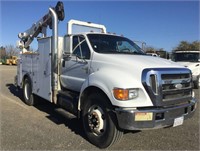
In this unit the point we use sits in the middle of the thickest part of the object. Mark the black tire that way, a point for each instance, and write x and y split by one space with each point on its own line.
100 122
196 83
27 92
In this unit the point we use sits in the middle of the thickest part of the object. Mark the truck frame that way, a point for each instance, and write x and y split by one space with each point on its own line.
104 79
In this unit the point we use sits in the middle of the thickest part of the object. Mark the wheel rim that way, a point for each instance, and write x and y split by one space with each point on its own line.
96 120
27 91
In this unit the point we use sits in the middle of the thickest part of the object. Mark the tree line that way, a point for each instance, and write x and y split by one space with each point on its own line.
182 46
8 51
187 46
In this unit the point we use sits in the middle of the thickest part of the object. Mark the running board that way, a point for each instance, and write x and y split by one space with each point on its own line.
68 101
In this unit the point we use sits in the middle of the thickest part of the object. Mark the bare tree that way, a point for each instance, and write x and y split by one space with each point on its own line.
11 50
2 52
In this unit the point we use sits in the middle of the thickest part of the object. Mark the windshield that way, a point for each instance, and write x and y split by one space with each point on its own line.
113 44
187 57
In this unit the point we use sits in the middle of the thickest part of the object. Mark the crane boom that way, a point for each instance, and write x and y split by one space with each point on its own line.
40 26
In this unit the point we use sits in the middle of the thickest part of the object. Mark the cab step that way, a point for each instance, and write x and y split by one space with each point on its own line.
69 101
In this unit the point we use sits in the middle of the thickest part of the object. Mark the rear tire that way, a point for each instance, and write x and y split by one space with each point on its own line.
99 121
27 92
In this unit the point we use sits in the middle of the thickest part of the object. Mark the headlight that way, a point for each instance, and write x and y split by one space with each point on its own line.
125 94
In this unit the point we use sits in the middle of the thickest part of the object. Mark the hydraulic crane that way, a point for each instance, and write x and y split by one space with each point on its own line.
40 26
50 19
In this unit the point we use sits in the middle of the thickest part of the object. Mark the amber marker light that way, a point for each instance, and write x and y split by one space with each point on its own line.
121 94
125 94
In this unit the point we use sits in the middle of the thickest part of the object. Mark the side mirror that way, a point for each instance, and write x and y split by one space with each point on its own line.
66 56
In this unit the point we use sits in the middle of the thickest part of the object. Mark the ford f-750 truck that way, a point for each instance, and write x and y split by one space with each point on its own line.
105 80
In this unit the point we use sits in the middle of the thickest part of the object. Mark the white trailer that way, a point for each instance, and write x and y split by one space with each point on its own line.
105 80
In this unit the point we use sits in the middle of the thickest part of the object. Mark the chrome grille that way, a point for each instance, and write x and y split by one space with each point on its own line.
168 86
176 86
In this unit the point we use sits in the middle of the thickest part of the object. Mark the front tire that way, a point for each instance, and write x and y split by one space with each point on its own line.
100 122
27 92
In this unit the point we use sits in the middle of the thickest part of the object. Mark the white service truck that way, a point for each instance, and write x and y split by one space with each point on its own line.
104 79
191 60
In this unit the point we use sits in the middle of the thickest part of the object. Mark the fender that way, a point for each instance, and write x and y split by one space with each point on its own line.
118 79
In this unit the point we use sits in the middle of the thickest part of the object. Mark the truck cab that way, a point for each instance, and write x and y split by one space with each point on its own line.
86 49
191 60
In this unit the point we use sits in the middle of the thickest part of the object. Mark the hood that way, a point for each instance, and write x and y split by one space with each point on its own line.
136 61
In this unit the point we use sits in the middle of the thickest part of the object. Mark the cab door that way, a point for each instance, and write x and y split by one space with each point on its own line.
75 69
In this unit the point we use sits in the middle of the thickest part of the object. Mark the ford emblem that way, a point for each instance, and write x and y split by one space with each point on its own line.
178 86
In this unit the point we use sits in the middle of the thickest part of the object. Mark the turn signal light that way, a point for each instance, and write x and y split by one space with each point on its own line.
121 94
125 94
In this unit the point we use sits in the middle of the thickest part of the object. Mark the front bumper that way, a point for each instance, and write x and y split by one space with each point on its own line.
128 119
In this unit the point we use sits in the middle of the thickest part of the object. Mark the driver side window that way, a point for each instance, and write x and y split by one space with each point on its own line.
80 47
